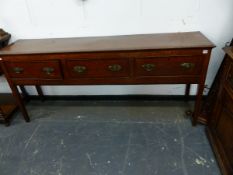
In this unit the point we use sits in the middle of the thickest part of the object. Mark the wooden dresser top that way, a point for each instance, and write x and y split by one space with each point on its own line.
109 43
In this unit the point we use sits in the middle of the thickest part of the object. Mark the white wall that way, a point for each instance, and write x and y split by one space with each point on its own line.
78 18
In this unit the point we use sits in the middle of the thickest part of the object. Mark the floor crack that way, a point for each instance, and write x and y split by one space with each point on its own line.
127 153
183 165
29 140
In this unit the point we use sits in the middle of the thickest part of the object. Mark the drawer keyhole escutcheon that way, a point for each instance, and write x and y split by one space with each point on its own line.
115 67
187 65
148 67
79 69
48 70
18 70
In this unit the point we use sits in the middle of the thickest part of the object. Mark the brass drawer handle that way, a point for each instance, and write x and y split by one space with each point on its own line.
48 70
148 67
79 69
187 65
115 68
18 70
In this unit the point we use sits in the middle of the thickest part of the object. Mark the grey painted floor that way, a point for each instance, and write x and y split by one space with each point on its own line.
105 138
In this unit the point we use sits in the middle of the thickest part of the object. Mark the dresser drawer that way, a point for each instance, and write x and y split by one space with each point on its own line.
168 66
230 76
34 69
95 68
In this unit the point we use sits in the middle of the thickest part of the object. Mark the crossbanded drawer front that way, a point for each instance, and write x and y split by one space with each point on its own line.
34 69
168 66
97 68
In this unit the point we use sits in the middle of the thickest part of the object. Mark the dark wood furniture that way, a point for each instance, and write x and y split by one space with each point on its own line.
211 98
175 58
7 107
4 39
0 70
220 126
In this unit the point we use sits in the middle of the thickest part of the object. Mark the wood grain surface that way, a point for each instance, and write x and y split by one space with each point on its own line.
109 43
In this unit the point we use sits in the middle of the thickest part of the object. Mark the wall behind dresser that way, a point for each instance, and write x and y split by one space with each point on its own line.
77 18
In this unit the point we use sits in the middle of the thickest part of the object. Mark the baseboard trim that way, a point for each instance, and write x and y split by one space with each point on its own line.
114 97
106 97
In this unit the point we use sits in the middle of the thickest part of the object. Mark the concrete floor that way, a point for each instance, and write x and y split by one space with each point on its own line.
105 138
